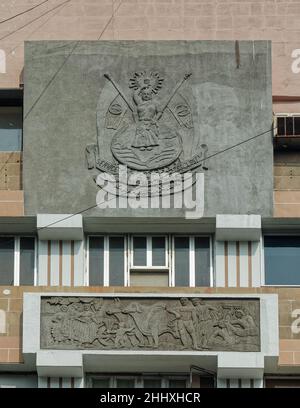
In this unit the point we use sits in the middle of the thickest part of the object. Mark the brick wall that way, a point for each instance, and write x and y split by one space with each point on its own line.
11 194
11 171
287 184
276 20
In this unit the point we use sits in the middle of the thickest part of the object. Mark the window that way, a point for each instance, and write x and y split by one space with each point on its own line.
138 381
100 382
282 382
107 261
282 260
288 125
17 260
7 246
125 382
192 261
27 260
175 383
96 261
113 382
152 382
149 251
10 128
149 261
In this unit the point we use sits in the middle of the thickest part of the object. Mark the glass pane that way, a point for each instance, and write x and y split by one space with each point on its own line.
100 383
158 251
152 383
139 251
125 383
116 261
297 125
7 245
27 261
207 382
202 261
282 260
281 126
182 263
289 126
10 128
177 384
149 279
96 261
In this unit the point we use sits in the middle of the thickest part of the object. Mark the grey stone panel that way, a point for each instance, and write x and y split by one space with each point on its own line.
150 324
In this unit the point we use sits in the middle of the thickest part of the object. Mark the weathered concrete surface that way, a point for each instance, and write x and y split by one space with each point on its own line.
168 324
229 95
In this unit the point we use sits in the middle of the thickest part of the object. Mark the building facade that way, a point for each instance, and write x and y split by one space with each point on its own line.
149 202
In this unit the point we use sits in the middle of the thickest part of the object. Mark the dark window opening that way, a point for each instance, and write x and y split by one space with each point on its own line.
27 253
288 126
7 246
96 261
282 260
11 120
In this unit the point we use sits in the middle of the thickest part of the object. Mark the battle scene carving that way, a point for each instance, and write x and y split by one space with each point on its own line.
145 324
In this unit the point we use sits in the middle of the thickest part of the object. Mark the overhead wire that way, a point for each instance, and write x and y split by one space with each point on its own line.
24 12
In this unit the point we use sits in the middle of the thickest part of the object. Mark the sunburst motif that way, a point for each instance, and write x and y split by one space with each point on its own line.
142 79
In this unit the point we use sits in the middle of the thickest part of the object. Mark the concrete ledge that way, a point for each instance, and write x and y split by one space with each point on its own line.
238 227
60 226
58 363
231 365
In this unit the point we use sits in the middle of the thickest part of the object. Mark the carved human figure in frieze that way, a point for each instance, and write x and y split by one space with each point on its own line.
233 326
121 335
221 333
186 322
172 324
242 325
206 316
125 320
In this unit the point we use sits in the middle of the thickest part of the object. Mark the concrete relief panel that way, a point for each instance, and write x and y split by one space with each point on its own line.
150 324
173 107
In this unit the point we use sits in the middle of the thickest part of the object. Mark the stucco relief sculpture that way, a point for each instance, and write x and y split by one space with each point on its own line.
146 125
147 324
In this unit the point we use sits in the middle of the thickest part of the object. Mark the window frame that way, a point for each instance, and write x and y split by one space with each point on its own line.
106 258
280 377
169 257
192 277
263 271
286 115
16 271
137 377
149 265
112 379
14 97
